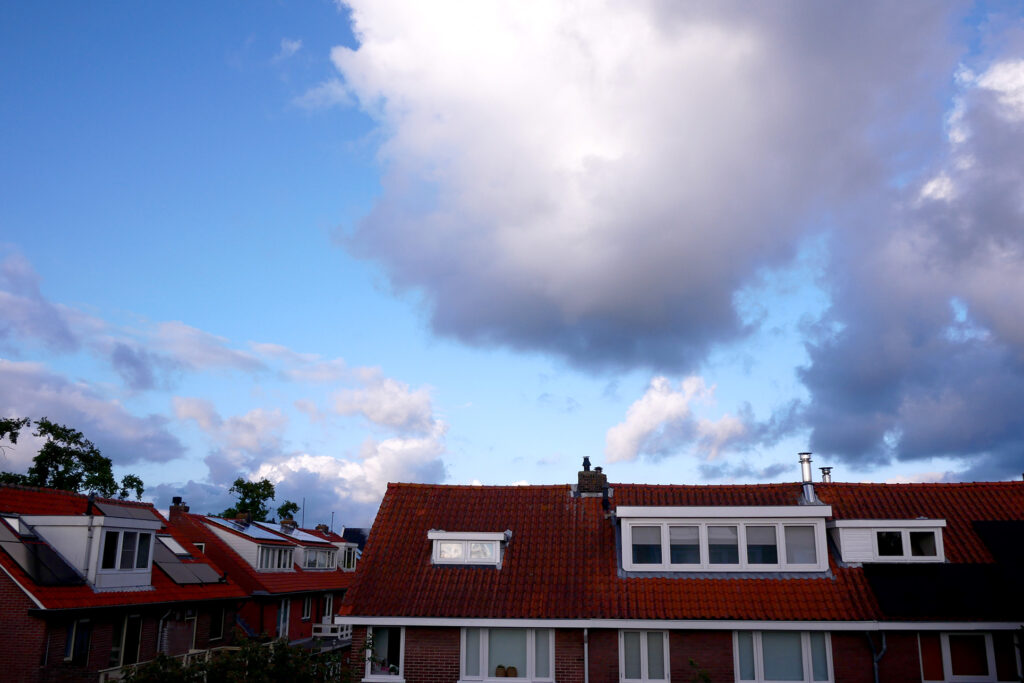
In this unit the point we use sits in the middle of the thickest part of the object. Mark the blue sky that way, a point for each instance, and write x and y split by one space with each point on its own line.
343 244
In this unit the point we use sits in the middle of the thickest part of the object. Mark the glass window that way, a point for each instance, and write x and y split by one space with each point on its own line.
142 557
783 656
922 544
723 545
819 656
449 550
110 539
890 543
764 656
643 656
386 654
800 545
217 624
647 545
307 607
481 551
76 647
968 655
506 648
471 661
745 655
542 653
684 544
508 652
128 540
761 545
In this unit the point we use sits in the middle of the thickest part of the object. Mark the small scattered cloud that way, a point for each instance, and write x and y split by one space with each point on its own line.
330 93
662 421
198 350
388 403
288 49
24 311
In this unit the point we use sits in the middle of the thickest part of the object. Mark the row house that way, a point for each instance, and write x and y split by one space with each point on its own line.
295 578
604 583
90 585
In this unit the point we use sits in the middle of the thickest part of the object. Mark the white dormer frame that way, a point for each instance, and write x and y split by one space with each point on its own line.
858 539
483 548
741 518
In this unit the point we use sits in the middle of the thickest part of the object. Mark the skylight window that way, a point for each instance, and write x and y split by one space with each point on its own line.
467 548
173 546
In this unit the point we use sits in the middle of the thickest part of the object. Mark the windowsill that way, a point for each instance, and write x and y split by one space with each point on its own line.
392 679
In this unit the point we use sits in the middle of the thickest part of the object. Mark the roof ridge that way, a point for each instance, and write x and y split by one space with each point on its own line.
415 485
75 494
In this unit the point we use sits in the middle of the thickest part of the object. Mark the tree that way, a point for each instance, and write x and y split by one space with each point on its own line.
67 461
287 510
252 499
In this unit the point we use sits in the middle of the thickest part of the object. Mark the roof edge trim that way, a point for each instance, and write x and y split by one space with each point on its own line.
722 511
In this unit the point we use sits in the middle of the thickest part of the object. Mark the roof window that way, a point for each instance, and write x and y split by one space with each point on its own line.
468 547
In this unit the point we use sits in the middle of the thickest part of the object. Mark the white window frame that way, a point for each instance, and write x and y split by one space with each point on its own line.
315 554
805 652
644 657
348 559
70 645
200 546
275 558
284 614
395 678
121 636
466 539
307 607
117 556
741 524
218 635
328 604
531 656
947 659
907 555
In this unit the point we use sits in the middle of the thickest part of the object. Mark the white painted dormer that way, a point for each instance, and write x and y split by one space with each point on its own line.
762 538
483 548
110 552
889 540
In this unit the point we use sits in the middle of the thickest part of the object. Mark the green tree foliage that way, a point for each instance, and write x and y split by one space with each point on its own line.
287 510
67 461
252 663
252 499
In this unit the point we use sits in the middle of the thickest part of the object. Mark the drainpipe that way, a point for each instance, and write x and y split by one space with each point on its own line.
876 657
161 635
586 656
88 539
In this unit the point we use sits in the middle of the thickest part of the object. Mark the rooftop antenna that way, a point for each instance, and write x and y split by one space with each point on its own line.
332 521
303 512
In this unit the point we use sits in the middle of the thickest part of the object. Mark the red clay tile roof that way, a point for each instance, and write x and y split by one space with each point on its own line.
561 561
36 501
276 583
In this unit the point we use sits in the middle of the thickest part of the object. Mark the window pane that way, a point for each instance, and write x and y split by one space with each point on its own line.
128 549
922 544
631 652
967 655
745 643
655 655
890 543
684 544
472 662
449 550
387 645
800 546
542 655
132 634
783 658
507 648
819 659
142 557
109 550
723 545
761 545
481 551
646 544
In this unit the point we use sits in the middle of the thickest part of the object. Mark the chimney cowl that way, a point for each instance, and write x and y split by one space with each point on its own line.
586 463
176 500
826 475
591 481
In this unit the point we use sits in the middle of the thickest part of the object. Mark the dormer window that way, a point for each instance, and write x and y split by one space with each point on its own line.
740 539
273 558
460 547
126 550
879 540
348 559
319 559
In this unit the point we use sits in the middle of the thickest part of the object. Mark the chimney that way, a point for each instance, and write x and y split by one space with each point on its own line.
323 528
591 481
244 518
805 475
289 523
178 508
826 475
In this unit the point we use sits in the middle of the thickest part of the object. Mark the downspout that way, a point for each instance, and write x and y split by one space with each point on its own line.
161 634
586 656
876 657
88 539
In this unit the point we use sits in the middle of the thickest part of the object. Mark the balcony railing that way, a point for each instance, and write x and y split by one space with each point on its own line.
116 673
327 628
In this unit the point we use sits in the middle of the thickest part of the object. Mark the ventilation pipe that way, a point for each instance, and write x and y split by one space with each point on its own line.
826 475
805 475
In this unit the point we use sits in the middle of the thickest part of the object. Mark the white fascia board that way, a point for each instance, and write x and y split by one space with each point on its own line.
686 624
439 535
886 523
720 511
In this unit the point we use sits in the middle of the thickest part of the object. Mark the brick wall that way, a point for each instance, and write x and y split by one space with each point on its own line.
711 652
569 655
603 655
19 662
431 655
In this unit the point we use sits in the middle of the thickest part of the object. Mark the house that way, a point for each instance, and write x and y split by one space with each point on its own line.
601 583
295 578
89 585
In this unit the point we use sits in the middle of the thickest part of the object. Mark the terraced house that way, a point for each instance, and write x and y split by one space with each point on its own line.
89 586
598 582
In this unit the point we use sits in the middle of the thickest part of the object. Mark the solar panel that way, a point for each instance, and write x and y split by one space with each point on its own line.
127 511
44 566
297 534
204 572
179 573
250 530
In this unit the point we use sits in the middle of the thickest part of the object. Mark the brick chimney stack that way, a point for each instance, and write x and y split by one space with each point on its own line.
178 508
323 528
591 481
289 523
